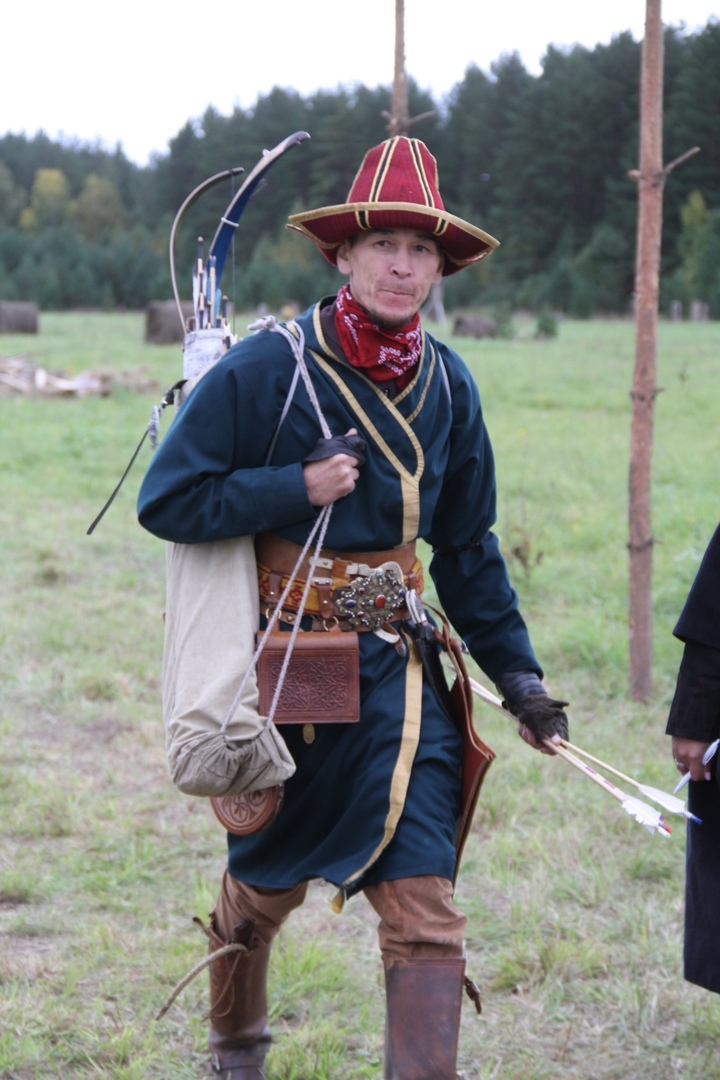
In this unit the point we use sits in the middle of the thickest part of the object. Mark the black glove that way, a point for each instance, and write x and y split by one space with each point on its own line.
544 716
354 445
526 698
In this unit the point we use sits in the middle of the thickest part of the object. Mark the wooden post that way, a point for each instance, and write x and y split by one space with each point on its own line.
399 111
651 179
398 119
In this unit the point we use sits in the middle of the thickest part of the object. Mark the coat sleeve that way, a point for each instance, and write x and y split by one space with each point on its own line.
208 479
468 568
695 709
700 617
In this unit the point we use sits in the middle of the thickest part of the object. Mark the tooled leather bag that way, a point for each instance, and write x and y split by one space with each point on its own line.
322 681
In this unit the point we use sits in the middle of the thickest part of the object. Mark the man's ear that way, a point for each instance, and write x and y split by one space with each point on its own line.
343 263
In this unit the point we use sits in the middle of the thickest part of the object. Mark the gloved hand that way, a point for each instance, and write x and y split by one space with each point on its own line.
331 469
352 444
526 698
544 716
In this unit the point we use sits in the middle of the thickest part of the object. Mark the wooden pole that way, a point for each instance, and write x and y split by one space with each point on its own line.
399 110
651 179
398 119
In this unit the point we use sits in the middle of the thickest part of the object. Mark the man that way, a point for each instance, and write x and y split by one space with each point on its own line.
694 724
373 805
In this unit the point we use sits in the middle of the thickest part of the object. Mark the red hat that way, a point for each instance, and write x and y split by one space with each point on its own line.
396 187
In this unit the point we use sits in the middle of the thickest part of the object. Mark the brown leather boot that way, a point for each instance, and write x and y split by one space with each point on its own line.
239 1035
423 1018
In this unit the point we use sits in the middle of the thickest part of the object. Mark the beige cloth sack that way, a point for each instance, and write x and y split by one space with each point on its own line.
211 618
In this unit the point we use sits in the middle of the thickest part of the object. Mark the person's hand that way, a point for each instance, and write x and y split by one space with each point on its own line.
541 717
330 478
688 755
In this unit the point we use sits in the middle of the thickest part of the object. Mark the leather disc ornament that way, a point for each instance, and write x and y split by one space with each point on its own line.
244 814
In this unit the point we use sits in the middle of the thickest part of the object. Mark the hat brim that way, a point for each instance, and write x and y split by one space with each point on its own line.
330 226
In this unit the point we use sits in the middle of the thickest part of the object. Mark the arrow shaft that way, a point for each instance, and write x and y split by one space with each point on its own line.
601 781
602 764
490 699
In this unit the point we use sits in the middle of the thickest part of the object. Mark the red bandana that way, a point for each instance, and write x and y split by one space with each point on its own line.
382 354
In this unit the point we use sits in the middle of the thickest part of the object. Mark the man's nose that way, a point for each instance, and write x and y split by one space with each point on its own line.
402 265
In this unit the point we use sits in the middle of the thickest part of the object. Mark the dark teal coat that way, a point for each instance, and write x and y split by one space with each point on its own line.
379 799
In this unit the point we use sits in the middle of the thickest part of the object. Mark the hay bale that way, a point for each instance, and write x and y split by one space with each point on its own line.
18 317
477 326
699 312
162 322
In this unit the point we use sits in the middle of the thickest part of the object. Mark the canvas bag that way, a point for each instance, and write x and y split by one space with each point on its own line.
211 618
212 614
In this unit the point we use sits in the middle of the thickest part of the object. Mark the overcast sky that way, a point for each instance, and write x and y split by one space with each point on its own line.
135 72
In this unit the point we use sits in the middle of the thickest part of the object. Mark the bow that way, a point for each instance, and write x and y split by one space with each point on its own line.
208 300
207 333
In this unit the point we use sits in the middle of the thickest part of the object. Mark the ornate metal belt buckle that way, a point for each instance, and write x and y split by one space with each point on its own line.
372 599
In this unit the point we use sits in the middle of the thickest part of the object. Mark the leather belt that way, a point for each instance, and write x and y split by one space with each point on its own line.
355 590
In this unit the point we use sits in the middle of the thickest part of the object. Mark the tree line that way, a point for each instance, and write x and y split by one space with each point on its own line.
540 161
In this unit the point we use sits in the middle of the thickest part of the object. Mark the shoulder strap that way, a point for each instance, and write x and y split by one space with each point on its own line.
293 334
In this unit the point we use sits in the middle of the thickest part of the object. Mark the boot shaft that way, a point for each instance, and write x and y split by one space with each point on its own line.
424 998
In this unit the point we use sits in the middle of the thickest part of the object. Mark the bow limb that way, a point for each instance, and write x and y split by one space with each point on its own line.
229 221
206 184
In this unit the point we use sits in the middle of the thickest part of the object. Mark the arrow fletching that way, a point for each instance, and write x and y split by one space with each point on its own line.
646 815
671 803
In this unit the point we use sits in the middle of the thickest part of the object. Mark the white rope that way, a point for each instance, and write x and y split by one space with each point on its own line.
319 529
320 524
297 344
324 518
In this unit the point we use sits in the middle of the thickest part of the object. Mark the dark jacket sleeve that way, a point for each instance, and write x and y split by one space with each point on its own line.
208 479
468 568
695 710
700 618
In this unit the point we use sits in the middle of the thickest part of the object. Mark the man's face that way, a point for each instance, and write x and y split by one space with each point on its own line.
391 272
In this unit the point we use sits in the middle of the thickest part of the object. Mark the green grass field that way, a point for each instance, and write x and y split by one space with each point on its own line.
575 911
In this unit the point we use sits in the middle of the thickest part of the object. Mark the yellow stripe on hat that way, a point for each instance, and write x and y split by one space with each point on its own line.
382 169
422 177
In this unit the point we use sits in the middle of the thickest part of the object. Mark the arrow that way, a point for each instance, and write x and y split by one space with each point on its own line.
646 815
669 802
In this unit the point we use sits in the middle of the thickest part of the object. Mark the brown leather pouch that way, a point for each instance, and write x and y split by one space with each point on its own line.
322 683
